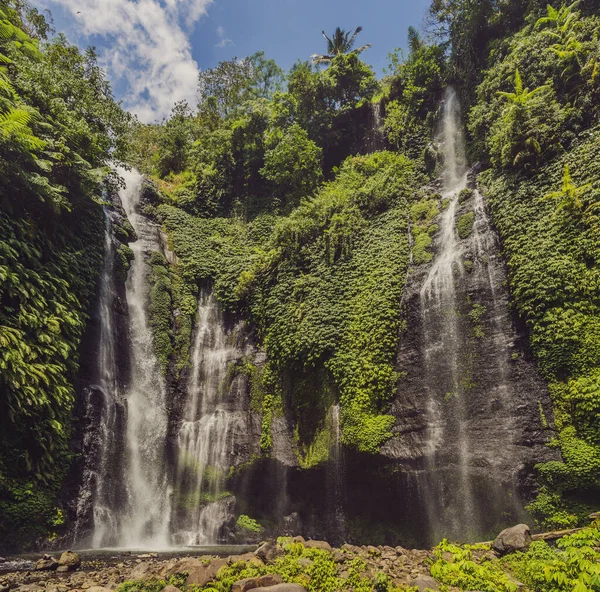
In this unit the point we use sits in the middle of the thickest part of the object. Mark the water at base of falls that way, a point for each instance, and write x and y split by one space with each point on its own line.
206 442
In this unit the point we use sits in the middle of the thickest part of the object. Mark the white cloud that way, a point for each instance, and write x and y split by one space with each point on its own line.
146 45
224 41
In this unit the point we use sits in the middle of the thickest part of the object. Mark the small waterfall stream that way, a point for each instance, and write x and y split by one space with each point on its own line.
206 441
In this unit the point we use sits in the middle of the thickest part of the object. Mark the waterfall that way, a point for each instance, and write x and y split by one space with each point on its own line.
454 446
145 521
125 480
206 441
375 134
100 483
336 479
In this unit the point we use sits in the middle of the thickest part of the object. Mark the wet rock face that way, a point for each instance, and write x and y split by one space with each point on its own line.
471 419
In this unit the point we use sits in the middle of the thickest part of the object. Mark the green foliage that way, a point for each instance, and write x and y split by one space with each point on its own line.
521 128
571 566
415 85
340 269
340 43
465 195
153 585
231 84
160 309
292 164
59 128
465 573
464 226
174 140
123 258
423 214
351 79
572 201
248 523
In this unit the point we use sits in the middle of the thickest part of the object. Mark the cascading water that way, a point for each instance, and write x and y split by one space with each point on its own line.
207 442
145 519
464 425
126 478
100 484
441 323
375 134
336 479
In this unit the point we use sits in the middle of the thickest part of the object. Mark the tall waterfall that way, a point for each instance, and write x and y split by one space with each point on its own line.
206 441
125 482
145 521
455 496
101 482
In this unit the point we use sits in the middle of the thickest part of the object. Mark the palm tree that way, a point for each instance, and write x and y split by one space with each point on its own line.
341 42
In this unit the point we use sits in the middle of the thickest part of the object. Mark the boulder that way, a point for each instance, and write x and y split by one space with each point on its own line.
200 574
46 563
269 551
324 545
282 588
247 558
98 589
425 583
245 585
266 581
182 566
69 560
170 589
515 538
141 571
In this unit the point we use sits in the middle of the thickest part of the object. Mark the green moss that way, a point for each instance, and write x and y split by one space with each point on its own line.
464 225
476 315
422 214
123 258
465 195
160 310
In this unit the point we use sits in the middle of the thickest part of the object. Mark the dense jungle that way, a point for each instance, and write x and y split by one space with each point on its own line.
320 305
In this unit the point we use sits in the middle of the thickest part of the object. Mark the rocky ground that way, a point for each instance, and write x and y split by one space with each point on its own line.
406 569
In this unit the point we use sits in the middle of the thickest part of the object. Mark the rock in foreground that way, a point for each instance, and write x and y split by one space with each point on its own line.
515 538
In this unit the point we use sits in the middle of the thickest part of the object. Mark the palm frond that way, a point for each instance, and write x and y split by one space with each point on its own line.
350 42
361 49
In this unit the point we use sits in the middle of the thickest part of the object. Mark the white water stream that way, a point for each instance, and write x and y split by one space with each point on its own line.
442 334
145 522
206 441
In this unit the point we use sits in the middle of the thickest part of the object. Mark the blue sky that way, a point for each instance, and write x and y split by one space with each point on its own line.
153 49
